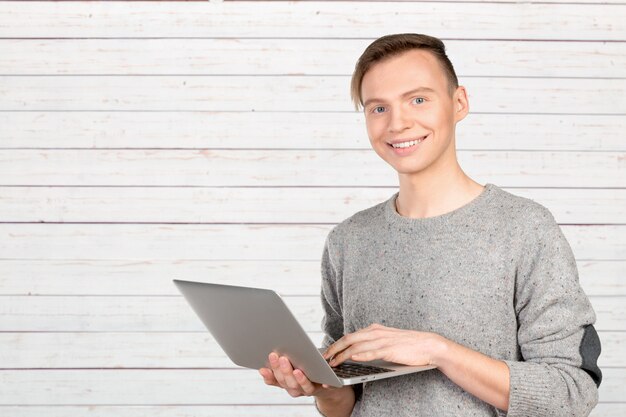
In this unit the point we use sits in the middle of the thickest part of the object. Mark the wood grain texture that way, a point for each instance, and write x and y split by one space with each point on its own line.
173 314
178 242
297 93
153 277
285 205
324 19
173 387
309 168
140 387
294 130
302 410
82 350
257 410
245 56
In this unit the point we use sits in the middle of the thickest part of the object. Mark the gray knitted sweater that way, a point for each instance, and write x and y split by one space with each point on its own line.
495 275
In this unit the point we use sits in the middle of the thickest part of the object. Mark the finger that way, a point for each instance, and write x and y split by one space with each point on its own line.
369 355
280 378
294 392
268 376
346 341
305 384
367 349
332 350
287 371
328 353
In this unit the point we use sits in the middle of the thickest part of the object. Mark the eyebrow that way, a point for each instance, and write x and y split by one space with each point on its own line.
408 93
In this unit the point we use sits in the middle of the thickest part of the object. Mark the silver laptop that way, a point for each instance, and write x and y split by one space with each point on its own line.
249 323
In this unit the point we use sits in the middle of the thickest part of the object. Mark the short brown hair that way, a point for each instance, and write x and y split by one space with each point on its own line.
393 45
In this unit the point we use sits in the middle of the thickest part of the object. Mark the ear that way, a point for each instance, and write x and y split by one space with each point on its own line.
460 103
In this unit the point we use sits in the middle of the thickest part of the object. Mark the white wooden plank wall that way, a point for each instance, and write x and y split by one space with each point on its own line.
216 141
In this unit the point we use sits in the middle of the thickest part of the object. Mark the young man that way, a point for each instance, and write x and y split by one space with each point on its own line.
472 279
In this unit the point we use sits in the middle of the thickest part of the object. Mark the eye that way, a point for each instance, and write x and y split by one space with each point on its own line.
419 98
376 108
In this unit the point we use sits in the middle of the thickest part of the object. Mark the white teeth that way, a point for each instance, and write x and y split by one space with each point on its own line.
408 144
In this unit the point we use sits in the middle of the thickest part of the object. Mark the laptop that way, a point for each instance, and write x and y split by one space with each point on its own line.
249 323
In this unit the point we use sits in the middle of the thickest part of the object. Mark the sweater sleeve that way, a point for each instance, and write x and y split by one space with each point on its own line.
332 322
331 296
558 373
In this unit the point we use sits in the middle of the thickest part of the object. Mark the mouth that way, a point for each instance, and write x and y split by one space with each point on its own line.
407 143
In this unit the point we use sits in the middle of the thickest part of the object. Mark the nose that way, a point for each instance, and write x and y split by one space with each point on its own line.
399 120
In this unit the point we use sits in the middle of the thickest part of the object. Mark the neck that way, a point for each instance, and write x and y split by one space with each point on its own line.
428 194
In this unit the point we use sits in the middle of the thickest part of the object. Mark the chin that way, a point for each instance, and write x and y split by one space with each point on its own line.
410 171
407 166
404 170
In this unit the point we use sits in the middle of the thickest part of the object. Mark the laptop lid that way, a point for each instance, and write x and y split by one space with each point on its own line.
249 323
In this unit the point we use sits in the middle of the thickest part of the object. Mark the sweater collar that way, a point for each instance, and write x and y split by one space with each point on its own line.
445 222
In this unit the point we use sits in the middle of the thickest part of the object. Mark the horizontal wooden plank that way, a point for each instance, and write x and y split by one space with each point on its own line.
121 350
603 277
263 410
174 387
140 387
216 56
122 314
297 93
256 410
295 168
164 350
165 242
262 205
154 277
225 242
173 314
284 130
324 19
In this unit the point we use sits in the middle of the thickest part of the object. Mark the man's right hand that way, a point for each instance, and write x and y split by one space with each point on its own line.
294 381
331 401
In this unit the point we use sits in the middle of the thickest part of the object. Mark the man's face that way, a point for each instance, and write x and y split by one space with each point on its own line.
394 114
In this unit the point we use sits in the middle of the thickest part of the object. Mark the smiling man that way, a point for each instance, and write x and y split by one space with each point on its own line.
469 278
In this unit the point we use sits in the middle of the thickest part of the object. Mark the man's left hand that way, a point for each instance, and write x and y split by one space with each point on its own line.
408 347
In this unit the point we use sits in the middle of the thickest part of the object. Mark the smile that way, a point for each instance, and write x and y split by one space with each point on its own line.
408 143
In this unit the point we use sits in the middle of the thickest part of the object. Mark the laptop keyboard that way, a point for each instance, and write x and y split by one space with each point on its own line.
351 370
